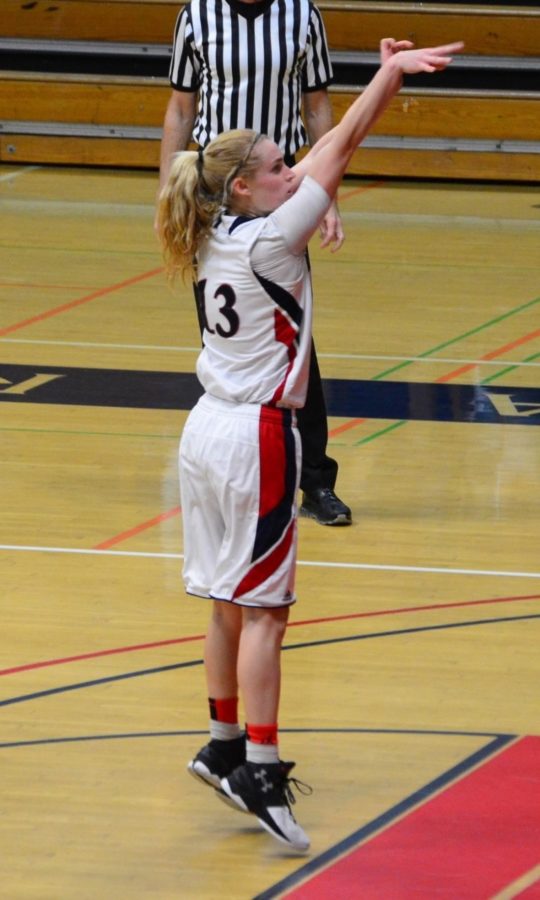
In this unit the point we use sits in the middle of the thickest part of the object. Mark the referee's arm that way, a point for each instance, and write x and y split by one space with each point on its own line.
318 121
177 129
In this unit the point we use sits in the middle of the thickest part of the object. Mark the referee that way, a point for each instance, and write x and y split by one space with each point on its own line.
252 64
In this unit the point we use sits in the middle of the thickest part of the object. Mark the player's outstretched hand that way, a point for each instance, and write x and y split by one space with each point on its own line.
389 46
430 59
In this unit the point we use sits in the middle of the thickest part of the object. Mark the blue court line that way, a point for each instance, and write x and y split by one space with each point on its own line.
133 735
385 819
362 637
95 681
199 662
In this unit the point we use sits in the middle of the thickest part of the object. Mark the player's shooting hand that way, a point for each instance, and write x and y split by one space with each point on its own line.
332 229
389 46
429 59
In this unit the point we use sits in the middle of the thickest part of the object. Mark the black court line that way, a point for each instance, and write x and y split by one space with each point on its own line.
447 625
382 821
345 398
84 738
199 662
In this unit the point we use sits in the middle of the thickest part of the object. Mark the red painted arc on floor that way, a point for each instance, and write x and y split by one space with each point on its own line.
472 841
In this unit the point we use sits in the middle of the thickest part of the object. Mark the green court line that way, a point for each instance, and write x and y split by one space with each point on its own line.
166 437
364 440
376 434
488 380
505 371
460 337
91 251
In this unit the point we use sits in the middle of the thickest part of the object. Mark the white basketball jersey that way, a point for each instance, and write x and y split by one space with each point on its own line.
256 303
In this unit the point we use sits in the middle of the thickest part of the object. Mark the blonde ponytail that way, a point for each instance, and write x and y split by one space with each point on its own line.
197 189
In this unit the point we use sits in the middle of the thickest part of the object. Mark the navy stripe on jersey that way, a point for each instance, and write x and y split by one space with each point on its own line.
250 64
282 298
239 221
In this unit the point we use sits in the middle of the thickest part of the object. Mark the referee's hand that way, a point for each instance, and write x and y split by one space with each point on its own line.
331 229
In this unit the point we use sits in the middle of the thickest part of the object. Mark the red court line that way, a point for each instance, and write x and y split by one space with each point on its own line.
73 303
199 637
345 427
98 653
492 355
367 187
470 841
124 535
411 609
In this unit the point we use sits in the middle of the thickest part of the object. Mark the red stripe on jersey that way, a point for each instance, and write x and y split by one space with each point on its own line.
263 569
272 461
286 334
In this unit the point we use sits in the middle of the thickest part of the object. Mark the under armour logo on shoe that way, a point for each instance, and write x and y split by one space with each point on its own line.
265 785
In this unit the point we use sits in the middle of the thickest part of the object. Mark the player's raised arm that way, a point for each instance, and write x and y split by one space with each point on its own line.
328 159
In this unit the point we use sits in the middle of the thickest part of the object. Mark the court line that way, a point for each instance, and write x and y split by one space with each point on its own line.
509 368
398 811
346 195
25 667
529 879
137 529
493 354
108 679
461 337
399 631
161 348
353 423
486 224
65 307
96 654
10 176
449 377
41 287
130 735
340 429
382 567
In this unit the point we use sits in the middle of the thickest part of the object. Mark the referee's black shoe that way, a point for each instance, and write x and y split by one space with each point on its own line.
325 507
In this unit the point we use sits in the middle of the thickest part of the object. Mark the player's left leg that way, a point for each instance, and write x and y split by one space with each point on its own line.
262 785
227 748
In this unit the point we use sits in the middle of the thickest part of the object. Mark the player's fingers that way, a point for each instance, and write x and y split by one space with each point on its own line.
338 242
447 49
325 240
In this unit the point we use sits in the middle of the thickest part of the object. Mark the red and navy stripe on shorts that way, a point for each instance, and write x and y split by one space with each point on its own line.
276 525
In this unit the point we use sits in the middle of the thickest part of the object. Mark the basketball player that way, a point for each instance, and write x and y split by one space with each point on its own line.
236 217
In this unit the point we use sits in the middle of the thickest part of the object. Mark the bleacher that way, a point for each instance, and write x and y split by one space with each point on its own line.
84 82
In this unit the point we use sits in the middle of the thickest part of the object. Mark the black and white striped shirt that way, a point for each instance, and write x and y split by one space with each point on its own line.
250 63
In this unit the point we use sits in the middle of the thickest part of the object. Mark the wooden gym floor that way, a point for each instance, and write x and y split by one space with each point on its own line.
411 665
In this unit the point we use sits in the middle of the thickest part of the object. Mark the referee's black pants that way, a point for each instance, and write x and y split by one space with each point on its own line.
318 469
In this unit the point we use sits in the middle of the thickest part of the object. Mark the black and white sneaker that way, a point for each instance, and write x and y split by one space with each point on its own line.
217 759
325 507
264 790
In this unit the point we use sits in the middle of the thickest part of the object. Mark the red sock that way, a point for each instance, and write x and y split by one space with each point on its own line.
224 710
262 734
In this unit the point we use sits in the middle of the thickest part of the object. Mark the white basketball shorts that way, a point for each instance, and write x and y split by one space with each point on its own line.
239 472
